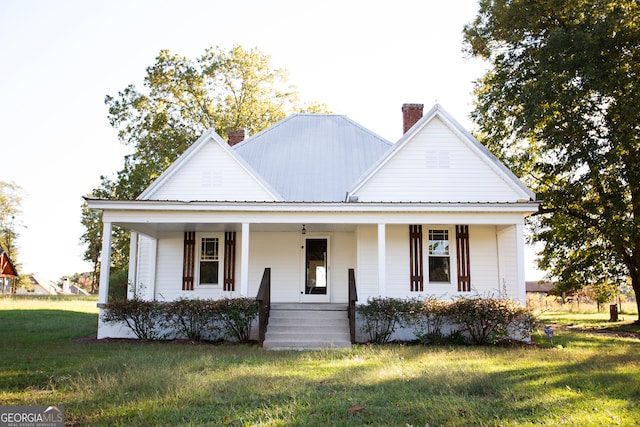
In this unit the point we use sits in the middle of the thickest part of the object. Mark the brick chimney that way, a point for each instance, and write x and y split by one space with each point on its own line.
411 113
236 136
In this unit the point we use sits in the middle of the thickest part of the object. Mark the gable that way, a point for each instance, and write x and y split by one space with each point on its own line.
209 171
437 162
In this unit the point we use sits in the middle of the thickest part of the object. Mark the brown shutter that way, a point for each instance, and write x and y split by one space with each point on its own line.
230 261
415 258
188 260
462 246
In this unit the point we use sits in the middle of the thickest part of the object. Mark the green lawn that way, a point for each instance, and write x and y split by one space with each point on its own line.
584 379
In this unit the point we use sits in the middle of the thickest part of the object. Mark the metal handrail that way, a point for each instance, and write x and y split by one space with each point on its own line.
353 297
264 303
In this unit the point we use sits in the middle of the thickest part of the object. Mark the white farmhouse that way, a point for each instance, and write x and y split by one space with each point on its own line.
314 197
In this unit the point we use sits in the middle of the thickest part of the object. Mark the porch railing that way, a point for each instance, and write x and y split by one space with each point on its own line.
264 303
353 297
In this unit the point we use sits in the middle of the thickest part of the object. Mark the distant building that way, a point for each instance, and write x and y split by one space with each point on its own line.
8 274
39 286
538 288
76 290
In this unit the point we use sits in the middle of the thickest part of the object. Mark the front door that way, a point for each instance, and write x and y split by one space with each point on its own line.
316 263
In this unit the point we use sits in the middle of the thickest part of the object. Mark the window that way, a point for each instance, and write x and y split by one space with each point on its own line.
209 261
439 270
203 258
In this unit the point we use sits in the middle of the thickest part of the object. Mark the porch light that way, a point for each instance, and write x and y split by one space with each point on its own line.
304 230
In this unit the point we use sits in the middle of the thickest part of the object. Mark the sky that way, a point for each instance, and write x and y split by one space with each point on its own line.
59 59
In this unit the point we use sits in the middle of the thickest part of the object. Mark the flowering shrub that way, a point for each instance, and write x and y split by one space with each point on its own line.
144 318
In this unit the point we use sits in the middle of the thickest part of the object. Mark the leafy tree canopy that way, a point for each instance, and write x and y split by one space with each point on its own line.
561 105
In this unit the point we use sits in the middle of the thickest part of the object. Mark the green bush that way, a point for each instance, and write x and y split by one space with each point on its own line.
382 316
479 320
191 318
487 320
145 318
428 318
236 315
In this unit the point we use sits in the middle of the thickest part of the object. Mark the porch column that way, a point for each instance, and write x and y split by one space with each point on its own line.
244 261
133 264
105 263
521 288
382 259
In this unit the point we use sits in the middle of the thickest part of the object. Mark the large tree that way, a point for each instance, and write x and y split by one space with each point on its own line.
10 210
224 89
561 105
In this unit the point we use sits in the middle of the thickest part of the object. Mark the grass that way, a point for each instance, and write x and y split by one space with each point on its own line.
584 379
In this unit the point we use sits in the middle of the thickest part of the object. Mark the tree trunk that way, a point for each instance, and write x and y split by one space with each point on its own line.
635 283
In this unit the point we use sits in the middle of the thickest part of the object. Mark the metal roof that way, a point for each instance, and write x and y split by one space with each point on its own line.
313 157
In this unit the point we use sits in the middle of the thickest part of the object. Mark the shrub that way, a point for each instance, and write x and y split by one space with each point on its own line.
191 318
382 316
236 315
428 318
487 321
144 318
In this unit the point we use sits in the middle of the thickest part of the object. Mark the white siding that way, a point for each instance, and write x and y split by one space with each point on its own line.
437 166
483 260
398 283
508 262
146 266
211 174
342 259
367 259
282 253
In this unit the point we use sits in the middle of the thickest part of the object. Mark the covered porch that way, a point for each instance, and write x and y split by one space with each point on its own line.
311 246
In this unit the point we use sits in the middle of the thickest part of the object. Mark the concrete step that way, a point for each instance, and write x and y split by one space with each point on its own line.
305 345
309 306
307 326
307 316
286 326
319 337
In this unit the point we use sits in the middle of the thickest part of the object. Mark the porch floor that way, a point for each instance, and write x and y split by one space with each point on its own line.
299 326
